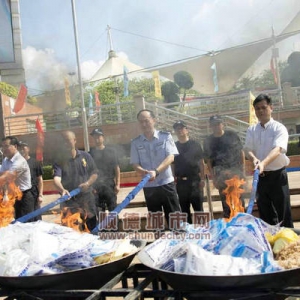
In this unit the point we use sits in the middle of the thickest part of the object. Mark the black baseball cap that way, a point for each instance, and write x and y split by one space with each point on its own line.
179 123
216 119
97 131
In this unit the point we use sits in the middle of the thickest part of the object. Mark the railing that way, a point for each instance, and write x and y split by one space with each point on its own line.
194 112
70 118
198 127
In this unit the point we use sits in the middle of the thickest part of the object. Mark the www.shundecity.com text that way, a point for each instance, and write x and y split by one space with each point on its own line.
154 235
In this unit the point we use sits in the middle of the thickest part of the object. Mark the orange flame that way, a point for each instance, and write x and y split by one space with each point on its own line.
75 220
233 193
9 193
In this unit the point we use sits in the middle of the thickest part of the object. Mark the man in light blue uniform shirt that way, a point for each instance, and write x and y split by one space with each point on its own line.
152 153
15 162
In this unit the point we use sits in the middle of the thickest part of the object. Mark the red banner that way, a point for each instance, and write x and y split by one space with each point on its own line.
40 140
98 103
20 99
273 70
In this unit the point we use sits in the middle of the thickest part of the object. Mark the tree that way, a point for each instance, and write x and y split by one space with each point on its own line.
107 90
11 91
170 91
8 90
263 81
291 73
184 80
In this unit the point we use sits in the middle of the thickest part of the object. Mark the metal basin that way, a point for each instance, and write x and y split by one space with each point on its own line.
88 278
179 281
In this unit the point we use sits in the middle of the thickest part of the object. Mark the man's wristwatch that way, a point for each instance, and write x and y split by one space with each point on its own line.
156 173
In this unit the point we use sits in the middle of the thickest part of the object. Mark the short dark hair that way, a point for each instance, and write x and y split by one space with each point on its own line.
148 110
12 140
262 97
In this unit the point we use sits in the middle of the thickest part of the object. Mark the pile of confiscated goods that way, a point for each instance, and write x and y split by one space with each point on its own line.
243 246
40 248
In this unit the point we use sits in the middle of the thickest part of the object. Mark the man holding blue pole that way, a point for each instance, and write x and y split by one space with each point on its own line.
76 169
15 162
266 146
152 153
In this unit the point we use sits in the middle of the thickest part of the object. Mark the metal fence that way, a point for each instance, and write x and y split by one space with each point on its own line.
70 118
194 112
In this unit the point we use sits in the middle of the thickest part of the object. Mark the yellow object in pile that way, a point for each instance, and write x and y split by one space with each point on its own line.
281 239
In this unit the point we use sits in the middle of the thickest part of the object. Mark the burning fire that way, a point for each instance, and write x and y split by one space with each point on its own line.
74 219
233 193
9 193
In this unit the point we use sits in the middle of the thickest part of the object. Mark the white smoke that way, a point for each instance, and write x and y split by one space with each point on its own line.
44 72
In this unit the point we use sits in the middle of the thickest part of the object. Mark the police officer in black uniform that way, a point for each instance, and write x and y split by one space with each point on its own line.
188 170
107 184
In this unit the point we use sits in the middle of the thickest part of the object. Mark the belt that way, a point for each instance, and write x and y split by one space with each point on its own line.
186 178
266 173
29 190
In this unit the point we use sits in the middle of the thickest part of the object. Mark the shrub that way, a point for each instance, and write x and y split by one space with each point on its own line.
293 148
48 172
125 165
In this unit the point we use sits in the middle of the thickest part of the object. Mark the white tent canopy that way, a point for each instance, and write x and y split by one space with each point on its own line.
230 63
113 67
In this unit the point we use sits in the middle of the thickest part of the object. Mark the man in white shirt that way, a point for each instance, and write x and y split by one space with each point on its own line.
15 162
266 146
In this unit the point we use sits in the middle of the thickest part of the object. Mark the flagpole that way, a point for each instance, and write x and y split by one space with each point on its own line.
83 110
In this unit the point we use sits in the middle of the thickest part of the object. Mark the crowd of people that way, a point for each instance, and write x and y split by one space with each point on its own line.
177 169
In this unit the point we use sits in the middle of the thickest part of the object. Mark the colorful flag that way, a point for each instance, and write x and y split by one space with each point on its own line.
97 100
252 116
215 77
126 81
273 69
20 99
40 140
67 92
91 110
157 86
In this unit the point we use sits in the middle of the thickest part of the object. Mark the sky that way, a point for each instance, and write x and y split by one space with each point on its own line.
147 32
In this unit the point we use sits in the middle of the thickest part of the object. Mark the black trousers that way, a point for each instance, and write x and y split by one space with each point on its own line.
189 193
25 205
273 198
105 195
162 197
35 193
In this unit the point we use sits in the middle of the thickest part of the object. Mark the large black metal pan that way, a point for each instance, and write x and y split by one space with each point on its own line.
179 281
89 278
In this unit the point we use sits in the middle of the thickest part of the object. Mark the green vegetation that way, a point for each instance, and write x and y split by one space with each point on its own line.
293 148
185 81
48 172
264 81
170 91
11 91
109 88
8 90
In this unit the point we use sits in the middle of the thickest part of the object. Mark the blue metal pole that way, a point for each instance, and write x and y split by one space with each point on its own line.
253 191
123 204
47 207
